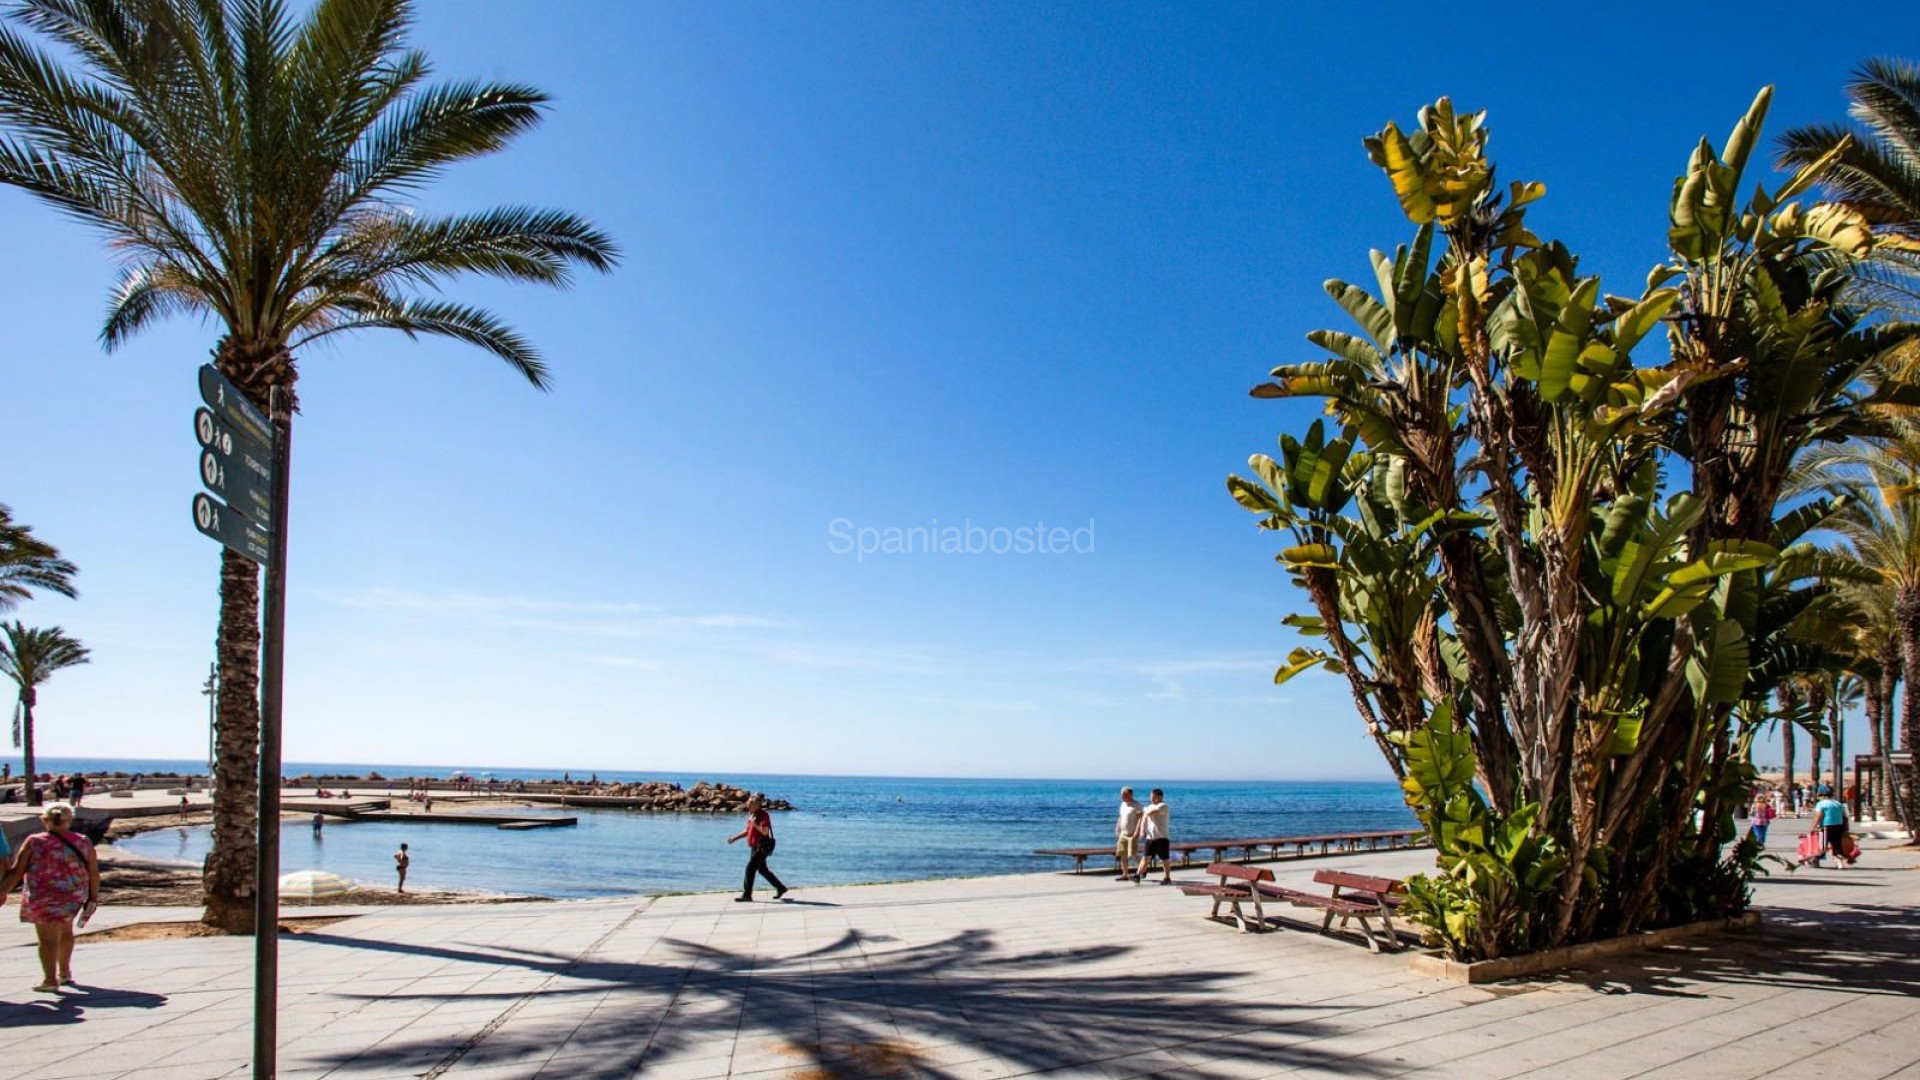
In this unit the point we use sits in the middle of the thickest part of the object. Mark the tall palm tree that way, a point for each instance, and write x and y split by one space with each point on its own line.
260 168
1878 175
28 563
29 657
1882 531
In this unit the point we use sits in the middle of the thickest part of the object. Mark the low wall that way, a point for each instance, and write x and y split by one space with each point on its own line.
1514 967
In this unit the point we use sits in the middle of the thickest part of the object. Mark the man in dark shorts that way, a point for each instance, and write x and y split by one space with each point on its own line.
1156 839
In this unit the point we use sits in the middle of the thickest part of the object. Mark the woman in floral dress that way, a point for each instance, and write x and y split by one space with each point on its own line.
62 878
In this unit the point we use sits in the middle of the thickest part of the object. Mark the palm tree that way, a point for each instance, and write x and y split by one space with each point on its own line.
1878 175
1881 529
29 563
260 169
29 657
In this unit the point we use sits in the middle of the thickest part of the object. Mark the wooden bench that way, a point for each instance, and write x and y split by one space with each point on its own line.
1237 885
1359 897
1249 849
1080 855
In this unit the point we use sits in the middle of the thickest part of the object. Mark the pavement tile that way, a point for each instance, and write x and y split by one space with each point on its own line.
978 980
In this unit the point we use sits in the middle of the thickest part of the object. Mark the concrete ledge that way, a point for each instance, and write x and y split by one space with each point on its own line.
1513 967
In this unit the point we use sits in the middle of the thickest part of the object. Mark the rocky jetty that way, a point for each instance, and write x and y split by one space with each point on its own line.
702 797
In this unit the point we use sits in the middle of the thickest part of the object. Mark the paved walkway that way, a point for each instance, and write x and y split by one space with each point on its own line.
994 977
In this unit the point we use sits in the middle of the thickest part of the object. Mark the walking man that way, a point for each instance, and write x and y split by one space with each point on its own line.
1125 829
759 837
1157 839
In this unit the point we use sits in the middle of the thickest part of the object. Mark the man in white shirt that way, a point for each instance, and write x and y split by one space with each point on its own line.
1124 832
1158 839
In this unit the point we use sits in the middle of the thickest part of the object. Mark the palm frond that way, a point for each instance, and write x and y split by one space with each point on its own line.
442 319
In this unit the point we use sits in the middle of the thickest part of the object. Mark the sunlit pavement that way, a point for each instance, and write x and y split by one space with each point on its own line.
994 977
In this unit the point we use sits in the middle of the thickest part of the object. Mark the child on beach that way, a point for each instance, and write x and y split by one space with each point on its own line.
400 862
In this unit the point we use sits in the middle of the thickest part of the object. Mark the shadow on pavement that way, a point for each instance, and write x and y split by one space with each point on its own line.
857 1007
1858 948
71 1007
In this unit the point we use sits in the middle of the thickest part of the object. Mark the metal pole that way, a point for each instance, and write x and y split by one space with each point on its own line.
212 690
266 887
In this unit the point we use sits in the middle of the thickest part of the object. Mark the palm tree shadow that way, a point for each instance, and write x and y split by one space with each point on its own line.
1858 948
857 1007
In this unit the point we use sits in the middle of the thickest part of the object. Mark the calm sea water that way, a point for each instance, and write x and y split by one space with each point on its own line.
845 830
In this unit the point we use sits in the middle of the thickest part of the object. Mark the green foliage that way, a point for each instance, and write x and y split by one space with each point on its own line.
1556 578
28 563
1493 872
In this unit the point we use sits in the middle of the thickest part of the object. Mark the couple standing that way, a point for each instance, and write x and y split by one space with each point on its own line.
1142 832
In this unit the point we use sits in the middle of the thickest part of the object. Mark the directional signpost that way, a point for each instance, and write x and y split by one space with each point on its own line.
243 460
236 463
236 468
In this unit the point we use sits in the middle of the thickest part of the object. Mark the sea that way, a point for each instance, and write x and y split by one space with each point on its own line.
843 829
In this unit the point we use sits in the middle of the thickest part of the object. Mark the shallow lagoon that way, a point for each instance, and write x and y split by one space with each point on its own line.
846 830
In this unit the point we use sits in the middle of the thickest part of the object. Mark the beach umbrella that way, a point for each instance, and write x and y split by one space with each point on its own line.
311 885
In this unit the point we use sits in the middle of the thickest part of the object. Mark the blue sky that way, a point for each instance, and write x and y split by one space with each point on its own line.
888 265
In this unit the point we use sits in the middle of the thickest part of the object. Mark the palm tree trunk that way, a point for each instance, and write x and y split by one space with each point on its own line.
1906 614
1889 684
1786 757
26 743
255 367
229 870
1839 725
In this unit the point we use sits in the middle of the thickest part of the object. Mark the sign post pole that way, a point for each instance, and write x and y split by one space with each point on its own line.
266 888
243 459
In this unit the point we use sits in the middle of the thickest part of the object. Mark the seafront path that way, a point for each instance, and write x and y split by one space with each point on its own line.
1038 974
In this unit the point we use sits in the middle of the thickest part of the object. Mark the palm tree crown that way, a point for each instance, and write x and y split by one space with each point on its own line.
30 655
29 563
259 170
1878 174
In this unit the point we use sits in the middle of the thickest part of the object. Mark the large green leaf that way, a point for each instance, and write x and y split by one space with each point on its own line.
1717 670
1694 581
1562 357
1372 316
1300 660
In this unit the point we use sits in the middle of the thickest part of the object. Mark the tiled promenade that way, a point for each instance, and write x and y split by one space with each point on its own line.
999 977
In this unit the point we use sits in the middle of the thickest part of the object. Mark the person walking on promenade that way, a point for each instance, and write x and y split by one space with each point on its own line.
1762 817
62 879
401 860
1157 841
1830 817
77 788
1125 829
759 837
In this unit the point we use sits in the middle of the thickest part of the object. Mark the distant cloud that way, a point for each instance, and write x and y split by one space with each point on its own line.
1170 678
599 618
630 663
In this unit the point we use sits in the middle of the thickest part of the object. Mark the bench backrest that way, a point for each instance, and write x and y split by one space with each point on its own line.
1362 882
1239 872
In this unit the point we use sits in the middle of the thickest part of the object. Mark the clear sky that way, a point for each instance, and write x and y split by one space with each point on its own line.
887 266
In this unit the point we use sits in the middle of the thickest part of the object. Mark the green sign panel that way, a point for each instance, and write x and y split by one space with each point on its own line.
232 528
235 468
232 408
